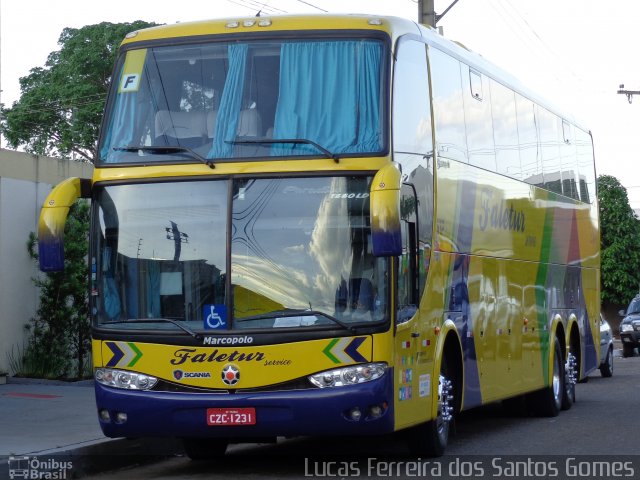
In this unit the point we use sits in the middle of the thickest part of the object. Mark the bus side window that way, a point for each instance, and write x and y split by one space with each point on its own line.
448 106
408 263
413 147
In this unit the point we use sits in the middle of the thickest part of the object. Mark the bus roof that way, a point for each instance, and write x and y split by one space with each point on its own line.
394 26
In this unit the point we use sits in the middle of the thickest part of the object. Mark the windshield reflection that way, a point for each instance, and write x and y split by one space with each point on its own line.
300 255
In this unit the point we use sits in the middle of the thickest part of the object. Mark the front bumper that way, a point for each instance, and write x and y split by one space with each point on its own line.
307 412
630 338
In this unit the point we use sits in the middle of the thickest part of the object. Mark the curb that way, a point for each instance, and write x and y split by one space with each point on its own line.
115 454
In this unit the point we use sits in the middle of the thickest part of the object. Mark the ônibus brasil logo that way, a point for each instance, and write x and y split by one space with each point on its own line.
33 467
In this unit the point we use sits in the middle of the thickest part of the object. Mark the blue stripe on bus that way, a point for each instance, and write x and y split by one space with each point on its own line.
472 392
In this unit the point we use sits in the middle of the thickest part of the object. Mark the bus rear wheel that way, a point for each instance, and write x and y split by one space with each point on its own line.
204 448
570 380
430 439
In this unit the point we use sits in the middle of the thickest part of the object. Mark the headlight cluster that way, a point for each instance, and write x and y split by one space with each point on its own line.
626 327
124 379
348 375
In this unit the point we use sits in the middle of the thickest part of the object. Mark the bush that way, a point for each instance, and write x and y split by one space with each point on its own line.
59 341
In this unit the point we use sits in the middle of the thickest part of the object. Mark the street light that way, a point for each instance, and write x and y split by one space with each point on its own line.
628 93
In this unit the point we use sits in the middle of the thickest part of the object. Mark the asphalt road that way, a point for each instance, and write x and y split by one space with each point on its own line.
596 438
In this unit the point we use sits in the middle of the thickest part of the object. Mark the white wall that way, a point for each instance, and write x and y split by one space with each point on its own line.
25 181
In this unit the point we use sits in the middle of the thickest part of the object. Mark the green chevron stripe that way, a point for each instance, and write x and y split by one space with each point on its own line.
327 350
138 354
541 294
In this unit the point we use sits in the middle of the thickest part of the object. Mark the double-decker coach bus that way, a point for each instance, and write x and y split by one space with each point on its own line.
329 225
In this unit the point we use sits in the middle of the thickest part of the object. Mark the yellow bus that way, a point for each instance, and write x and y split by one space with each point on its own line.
329 225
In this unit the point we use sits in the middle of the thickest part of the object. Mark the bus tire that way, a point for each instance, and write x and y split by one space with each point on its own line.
430 439
570 379
204 448
548 401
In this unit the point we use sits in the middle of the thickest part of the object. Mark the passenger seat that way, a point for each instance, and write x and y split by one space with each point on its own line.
250 123
187 128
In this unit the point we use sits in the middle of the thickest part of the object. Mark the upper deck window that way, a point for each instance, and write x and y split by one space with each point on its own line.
305 97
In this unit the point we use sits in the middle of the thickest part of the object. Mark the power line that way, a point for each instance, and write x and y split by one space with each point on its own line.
313 6
256 6
56 107
534 40
265 6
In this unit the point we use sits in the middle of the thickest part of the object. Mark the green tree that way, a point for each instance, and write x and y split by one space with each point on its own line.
620 243
60 106
60 340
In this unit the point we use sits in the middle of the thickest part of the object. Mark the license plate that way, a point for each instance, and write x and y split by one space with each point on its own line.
231 416
626 339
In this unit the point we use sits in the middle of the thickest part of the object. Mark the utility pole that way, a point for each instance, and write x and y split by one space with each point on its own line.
178 237
427 12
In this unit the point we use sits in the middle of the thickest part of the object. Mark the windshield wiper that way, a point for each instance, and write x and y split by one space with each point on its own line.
303 141
289 312
156 320
167 149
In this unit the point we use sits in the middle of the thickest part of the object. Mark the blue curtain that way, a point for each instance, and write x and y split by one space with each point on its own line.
369 98
111 298
230 103
330 94
153 289
121 126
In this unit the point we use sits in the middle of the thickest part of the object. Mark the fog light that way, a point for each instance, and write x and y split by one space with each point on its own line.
104 415
355 414
121 417
375 411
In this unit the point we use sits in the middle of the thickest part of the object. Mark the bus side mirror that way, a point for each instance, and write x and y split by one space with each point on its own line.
53 217
386 238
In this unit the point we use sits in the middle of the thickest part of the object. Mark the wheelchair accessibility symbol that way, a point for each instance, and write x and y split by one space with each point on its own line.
215 316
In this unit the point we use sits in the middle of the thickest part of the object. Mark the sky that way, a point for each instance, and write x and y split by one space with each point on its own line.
574 52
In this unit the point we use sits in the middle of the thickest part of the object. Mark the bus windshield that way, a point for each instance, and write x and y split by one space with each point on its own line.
236 254
213 101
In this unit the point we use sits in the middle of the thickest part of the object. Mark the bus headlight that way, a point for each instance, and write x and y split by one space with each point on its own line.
123 379
348 375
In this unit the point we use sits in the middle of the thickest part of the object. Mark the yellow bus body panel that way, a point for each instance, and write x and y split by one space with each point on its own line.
261 365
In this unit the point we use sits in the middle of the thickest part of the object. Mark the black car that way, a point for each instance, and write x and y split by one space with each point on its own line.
630 327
